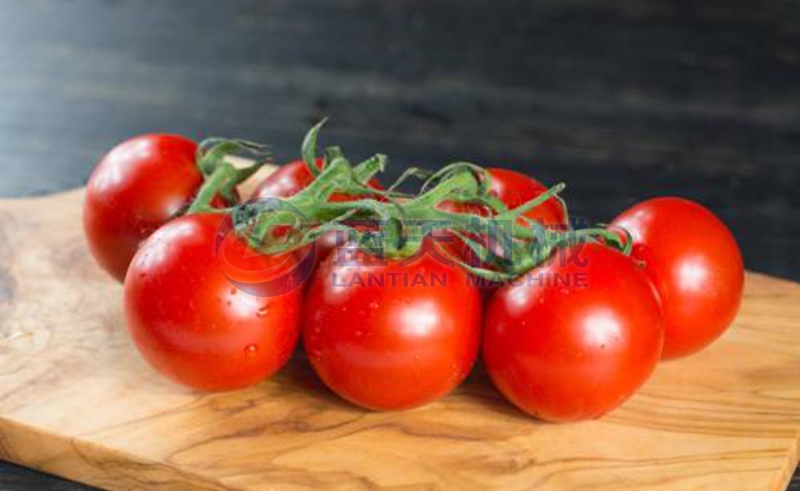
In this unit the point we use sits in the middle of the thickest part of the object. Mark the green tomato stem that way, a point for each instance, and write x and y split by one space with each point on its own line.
406 224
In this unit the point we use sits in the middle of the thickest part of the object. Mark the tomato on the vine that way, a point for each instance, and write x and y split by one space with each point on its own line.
189 320
287 180
135 188
290 179
574 338
394 334
694 263
513 189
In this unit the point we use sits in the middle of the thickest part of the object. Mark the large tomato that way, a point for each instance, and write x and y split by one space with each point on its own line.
573 339
190 321
695 264
135 188
391 335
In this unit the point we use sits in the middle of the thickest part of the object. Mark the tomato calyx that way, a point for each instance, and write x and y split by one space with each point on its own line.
222 177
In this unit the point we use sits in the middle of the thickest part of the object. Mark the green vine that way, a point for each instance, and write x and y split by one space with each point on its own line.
406 219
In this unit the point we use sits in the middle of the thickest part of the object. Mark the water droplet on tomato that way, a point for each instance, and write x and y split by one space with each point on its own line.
233 291
373 305
262 312
251 349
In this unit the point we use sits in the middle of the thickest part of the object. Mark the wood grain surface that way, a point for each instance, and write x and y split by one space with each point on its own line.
77 401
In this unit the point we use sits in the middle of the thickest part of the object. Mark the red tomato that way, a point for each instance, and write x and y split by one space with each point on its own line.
135 188
695 264
191 323
292 178
287 180
576 337
393 346
513 189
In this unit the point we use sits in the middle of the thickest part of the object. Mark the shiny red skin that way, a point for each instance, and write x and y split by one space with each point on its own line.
515 189
393 346
574 352
695 264
135 188
191 323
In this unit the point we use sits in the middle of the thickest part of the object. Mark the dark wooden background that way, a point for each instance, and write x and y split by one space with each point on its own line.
622 100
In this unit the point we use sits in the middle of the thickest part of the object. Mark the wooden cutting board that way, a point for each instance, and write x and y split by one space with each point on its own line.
76 400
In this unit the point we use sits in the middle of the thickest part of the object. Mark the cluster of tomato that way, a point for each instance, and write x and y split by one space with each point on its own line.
569 340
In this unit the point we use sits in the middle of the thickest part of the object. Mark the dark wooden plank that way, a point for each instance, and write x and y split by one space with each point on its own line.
620 99
15 478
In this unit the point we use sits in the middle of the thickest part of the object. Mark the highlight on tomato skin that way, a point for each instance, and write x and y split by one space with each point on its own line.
695 265
577 337
188 320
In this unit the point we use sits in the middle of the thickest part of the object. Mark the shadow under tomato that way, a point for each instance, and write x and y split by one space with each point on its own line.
476 392
298 375
478 389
